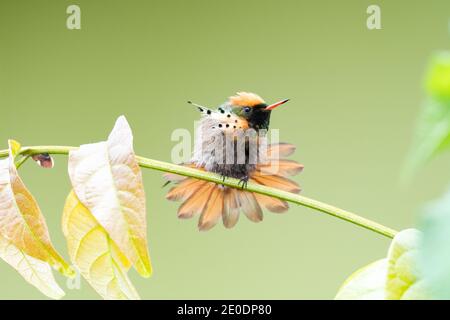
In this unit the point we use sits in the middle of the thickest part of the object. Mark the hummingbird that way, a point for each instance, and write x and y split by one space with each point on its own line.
225 143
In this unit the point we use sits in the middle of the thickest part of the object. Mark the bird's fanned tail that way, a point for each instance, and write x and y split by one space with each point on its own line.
212 201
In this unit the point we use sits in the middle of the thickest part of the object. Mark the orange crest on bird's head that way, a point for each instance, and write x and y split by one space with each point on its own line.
246 99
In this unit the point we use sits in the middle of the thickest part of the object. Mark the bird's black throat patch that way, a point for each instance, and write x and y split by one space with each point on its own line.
259 118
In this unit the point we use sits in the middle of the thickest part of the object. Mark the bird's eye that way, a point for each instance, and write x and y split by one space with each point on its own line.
247 109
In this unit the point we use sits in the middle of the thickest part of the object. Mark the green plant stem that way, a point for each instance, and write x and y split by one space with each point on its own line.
230 182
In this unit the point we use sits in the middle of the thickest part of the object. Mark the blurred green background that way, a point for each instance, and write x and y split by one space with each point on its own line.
356 95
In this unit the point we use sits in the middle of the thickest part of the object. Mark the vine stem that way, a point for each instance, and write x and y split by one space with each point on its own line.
230 182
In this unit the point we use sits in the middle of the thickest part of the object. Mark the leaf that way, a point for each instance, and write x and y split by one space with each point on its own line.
438 79
36 272
433 131
366 283
396 277
405 281
107 180
21 221
435 254
91 249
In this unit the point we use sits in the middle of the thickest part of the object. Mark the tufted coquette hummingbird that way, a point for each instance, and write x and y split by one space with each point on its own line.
225 143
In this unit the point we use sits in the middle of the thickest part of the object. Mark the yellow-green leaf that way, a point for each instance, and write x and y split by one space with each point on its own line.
432 135
94 253
36 272
404 279
107 180
366 283
21 221
438 79
396 277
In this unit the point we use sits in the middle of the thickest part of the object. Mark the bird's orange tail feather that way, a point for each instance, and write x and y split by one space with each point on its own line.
212 201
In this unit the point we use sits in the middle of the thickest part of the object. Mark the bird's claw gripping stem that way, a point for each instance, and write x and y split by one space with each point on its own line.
244 182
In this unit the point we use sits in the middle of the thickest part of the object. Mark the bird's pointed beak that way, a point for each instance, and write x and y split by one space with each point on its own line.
276 104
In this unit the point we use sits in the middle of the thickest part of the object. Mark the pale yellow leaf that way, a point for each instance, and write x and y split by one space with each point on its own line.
35 271
94 253
21 221
404 278
397 277
367 283
107 179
